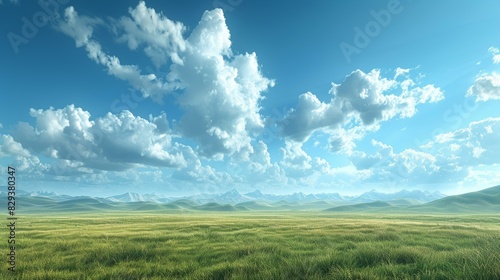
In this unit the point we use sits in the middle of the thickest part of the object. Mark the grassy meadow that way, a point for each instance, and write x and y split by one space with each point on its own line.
257 245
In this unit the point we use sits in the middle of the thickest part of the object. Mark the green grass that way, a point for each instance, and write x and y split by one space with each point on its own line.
249 245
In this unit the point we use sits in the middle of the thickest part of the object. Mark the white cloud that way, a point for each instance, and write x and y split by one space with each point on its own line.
409 167
480 177
9 147
486 87
297 164
295 161
196 172
496 54
112 142
162 38
23 159
221 94
310 114
362 99
260 168
80 28
343 140
401 72
477 144
451 157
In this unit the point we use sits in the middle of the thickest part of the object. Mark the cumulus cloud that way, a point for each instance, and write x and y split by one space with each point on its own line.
486 87
260 167
113 142
218 92
343 141
450 157
9 147
407 167
295 161
221 93
196 172
161 37
477 144
297 164
23 159
361 99
81 28
310 115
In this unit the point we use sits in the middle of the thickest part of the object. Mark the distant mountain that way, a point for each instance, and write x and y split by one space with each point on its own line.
295 197
219 207
487 200
127 197
18 191
331 196
232 197
421 196
256 195
253 205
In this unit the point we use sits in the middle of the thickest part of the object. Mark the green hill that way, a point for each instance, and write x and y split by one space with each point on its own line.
152 206
218 207
484 201
34 204
83 204
253 205
183 204
362 207
404 202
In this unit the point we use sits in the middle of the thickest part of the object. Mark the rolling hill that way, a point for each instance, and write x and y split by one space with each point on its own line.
484 201
363 207
253 205
212 206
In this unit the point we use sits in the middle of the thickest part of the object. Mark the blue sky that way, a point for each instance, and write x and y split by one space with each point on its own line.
181 97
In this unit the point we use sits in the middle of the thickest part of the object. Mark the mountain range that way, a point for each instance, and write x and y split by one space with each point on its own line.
234 197
487 200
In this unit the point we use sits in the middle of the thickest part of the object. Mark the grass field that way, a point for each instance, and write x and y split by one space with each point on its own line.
256 246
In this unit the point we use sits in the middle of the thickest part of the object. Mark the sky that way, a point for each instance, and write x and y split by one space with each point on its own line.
183 97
